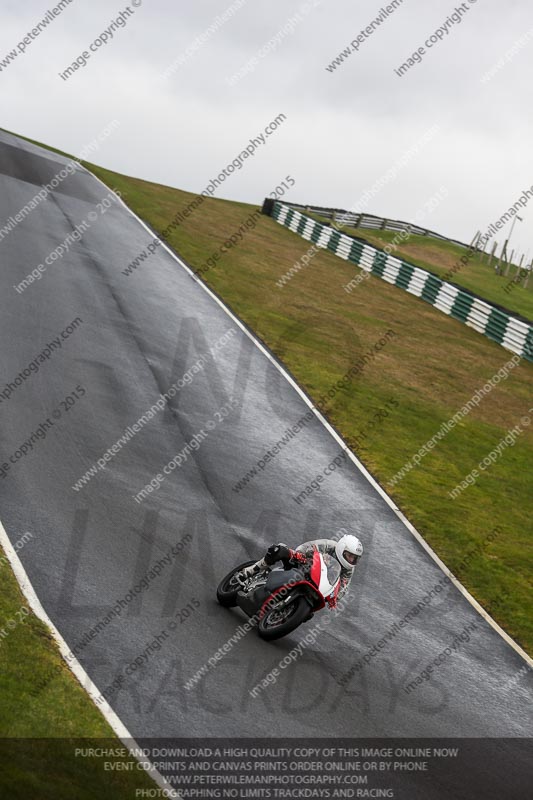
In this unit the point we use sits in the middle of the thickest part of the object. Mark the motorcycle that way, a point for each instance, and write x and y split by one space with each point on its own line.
280 600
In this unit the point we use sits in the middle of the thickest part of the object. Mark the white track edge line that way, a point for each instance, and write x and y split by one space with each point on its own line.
410 527
74 665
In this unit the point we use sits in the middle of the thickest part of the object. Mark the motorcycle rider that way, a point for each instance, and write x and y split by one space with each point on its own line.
348 550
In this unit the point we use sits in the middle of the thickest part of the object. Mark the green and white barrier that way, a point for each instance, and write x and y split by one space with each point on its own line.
512 333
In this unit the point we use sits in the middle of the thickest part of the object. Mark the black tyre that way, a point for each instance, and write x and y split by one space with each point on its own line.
277 623
228 586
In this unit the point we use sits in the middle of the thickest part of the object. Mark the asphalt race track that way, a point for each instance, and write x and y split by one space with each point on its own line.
134 337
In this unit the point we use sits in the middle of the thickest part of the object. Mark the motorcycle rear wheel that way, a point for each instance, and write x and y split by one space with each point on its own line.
227 588
273 626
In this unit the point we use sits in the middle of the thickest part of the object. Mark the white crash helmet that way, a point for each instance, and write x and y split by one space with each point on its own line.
348 550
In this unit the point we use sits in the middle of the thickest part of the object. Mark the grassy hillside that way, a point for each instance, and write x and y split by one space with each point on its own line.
430 369
440 257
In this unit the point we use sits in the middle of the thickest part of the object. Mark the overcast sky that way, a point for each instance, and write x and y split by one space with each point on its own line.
345 129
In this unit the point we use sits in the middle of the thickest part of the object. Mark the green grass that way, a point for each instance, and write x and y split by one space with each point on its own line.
440 256
431 368
58 717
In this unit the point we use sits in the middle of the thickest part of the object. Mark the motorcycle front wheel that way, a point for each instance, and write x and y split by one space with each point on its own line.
229 586
279 622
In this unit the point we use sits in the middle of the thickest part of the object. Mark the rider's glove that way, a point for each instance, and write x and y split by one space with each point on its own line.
276 552
332 601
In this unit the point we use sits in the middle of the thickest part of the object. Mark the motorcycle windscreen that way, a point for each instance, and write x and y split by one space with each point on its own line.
330 574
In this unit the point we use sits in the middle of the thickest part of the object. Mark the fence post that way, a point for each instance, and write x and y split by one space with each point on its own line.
503 256
519 268
509 263
494 246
